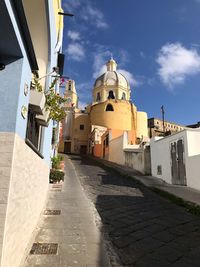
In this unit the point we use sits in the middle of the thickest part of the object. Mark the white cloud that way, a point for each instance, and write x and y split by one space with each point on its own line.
142 54
76 51
70 5
176 63
94 15
86 10
99 66
129 77
75 36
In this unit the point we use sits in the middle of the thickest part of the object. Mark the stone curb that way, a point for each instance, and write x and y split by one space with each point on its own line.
155 184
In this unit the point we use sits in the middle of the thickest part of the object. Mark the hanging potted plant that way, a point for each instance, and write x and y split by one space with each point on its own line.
37 97
54 104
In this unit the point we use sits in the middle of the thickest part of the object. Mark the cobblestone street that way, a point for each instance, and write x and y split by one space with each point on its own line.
141 228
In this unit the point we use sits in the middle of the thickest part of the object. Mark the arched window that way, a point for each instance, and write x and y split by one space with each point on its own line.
123 96
109 107
98 97
111 95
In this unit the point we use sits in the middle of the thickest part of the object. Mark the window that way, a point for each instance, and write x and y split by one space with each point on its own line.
111 95
98 97
81 126
107 140
109 107
33 129
159 169
70 86
123 96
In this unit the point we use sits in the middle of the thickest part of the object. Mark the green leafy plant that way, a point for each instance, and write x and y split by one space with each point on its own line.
56 176
54 102
56 162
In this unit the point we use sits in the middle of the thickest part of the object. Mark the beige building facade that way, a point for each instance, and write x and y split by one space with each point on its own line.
155 127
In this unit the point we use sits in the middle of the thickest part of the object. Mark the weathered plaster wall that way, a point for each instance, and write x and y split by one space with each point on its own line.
27 194
135 159
116 153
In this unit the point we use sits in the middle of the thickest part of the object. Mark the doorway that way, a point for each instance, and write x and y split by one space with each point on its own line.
67 147
178 163
83 150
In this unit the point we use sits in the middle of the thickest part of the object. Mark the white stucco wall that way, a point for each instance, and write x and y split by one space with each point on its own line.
27 195
116 153
160 155
193 171
193 139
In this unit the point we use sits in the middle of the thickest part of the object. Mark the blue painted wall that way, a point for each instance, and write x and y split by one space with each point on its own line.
10 79
12 82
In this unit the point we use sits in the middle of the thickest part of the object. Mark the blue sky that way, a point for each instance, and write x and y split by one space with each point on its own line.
155 43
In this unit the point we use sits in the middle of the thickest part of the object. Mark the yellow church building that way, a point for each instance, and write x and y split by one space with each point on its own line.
110 114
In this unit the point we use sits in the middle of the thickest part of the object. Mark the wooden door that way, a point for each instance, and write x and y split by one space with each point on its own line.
178 163
67 147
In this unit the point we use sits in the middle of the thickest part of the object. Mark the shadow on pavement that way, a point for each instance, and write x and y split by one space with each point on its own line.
143 228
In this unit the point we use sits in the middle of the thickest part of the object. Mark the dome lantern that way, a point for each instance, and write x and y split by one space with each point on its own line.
111 65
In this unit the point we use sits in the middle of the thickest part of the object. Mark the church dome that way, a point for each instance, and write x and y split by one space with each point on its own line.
111 80
112 76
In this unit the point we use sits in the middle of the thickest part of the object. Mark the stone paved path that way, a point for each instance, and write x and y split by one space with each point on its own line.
144 229
74 230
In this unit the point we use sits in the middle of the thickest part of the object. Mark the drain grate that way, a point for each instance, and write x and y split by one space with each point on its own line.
44 248
52 212
57 186
56 190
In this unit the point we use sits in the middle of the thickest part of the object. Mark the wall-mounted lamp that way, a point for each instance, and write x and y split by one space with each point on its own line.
65 14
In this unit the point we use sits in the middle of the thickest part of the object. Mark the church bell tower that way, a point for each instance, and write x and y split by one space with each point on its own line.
70 94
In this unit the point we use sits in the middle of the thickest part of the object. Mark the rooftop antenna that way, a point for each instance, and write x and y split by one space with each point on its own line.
163 118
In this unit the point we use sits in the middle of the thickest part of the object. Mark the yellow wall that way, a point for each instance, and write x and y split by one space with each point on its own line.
142 129
80 137
58 18
120 118
104 91
116 133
